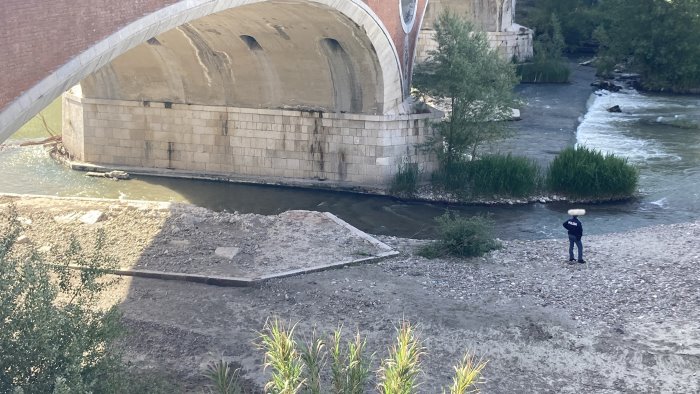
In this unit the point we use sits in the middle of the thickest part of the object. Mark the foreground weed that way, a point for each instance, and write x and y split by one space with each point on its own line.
399 372
313 355
349 366
282 357
467 375
224 379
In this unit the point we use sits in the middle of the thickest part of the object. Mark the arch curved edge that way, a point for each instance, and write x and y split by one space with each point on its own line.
23 108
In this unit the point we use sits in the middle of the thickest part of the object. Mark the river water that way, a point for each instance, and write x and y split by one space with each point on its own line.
658 133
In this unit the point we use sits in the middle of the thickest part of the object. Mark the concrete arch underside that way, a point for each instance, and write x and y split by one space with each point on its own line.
323 55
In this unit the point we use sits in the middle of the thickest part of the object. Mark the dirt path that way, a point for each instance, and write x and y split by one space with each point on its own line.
628 321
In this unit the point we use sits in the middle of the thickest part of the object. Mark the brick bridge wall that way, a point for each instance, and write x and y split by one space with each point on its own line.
37 37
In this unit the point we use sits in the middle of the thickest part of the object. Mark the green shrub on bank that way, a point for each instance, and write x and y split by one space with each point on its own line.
491 175
405 182
54 336
463 237
588 174
548 71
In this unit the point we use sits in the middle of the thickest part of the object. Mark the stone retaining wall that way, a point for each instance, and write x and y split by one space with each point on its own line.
509 44
359 149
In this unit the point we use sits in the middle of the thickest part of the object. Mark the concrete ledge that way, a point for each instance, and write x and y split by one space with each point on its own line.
228 281
249 180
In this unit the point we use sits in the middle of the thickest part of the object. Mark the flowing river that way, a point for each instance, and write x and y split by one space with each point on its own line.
658 133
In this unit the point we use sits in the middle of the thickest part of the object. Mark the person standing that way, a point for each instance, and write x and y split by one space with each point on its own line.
575 229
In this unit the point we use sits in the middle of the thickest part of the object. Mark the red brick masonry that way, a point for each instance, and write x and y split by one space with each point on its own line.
39 36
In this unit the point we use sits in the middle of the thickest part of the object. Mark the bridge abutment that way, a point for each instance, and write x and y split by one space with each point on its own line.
353 149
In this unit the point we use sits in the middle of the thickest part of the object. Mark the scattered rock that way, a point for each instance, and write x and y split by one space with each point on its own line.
24 221
22 239
607 85
93 217
67 218
587 63
615 108
116 175
227 252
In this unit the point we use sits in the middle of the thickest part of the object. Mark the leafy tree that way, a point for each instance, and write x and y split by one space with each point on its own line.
548 65
657 38
550 44
578 19
476 81
52 335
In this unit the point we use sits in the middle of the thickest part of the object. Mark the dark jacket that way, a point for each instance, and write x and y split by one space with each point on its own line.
574 227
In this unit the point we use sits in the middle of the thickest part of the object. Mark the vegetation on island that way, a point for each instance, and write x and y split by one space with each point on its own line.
478 85
655 38
583 173
476 82
547 65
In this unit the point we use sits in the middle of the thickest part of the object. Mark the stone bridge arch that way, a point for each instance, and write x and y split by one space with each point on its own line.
368 62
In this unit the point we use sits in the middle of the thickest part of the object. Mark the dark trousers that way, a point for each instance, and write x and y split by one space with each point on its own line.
575 240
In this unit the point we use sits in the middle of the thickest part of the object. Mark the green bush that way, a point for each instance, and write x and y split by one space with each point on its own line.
503 175
463 237
405 182
54 337
585 173
549 71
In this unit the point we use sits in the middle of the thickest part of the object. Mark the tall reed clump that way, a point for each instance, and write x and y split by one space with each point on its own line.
503 176
223 378
453 178
350 368
303 371
467 375
463 237
545 71
399 372
583 173
313 355
282 356
405 181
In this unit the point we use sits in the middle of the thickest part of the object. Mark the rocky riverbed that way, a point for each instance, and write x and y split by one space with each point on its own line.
627 321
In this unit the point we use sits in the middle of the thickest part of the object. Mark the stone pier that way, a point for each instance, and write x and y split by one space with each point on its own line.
357 149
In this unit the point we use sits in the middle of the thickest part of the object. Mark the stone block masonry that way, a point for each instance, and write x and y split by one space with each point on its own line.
362 150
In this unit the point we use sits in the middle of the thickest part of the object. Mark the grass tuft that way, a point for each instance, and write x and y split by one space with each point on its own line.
548 71
585 173
491 175
467 375
405 181
223 378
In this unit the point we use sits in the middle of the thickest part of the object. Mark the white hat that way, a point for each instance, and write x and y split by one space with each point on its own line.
577 212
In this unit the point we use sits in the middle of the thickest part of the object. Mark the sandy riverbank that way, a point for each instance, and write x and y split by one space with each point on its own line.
628 321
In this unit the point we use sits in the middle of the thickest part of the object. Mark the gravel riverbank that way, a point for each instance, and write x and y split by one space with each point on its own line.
627 321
